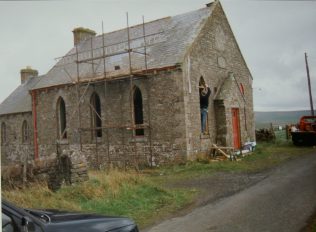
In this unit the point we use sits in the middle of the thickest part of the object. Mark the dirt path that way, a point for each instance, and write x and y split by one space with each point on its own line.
281 199
213 188
217 186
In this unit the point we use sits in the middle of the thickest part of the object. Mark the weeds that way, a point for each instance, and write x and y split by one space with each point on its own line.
145 197
115 193
266 155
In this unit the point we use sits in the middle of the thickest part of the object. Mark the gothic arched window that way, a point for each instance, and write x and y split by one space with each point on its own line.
96 122
138 110
61 119
25 132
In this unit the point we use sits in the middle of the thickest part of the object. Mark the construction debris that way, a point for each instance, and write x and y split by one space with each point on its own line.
231 153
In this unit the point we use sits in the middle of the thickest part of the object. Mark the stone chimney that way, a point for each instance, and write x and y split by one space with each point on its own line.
81 34
27 73
211 3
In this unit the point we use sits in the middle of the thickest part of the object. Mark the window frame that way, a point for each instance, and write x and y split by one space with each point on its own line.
95 112
25 132
61 119
138 111
206 131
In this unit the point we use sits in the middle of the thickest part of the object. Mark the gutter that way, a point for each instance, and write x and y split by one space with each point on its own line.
141 73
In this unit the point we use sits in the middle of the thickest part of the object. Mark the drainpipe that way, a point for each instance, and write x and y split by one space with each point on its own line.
34 124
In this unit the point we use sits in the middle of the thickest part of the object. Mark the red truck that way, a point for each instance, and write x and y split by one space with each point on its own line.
305 135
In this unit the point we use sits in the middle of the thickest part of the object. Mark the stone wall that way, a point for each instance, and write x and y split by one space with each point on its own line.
68 168
13 147
215 55
163 109
170 106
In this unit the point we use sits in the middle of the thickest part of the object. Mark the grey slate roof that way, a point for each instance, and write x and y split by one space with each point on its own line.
167 41
19 100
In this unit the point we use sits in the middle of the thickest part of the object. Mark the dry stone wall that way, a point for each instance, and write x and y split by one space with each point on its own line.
68 168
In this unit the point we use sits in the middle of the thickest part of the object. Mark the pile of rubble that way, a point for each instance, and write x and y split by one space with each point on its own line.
265 135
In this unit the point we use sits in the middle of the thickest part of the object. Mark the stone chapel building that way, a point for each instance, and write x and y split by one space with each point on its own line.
132 95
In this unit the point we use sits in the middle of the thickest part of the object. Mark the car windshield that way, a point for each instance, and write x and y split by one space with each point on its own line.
310 120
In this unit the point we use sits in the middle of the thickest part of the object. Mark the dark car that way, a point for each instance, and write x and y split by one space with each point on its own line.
18 219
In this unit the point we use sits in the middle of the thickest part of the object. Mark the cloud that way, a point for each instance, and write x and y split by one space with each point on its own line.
272 35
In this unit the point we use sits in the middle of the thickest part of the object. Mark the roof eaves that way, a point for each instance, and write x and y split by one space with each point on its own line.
15 113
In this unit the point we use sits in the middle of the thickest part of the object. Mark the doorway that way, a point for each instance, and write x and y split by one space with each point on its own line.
236 127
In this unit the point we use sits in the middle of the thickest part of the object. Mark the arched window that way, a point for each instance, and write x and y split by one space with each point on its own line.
61 118
96 122
25 132
204 93
3 133
138 110
201 82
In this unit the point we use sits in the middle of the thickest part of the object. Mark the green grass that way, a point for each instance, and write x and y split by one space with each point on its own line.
266 155
145 196
143 203
116 193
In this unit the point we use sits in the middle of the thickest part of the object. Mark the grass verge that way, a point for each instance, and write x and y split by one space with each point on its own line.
266 156
114 193
145 197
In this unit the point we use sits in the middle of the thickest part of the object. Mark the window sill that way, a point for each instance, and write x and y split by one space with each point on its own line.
63 141
138 139
97 140
26 143
204 136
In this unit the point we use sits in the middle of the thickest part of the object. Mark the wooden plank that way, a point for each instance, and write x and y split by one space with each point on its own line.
221 151
223 148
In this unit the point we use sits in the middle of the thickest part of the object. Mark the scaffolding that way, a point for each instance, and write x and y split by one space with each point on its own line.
93 80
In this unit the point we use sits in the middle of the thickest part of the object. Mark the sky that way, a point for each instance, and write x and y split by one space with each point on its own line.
272 35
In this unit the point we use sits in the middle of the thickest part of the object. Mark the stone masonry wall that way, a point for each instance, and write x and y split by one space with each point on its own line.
170 105
68 168
214 55
162 97
14 149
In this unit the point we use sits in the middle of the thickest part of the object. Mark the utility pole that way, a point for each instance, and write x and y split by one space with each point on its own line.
309 86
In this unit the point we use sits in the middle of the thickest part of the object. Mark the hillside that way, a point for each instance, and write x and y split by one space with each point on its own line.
263 119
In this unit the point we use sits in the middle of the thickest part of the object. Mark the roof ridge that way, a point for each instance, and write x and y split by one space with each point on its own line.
152 21
134 26
172 35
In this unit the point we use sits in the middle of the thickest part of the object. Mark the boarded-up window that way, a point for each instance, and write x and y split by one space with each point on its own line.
25 132
96 122
138 110
61 118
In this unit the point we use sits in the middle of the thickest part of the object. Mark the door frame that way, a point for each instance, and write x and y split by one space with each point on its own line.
236 128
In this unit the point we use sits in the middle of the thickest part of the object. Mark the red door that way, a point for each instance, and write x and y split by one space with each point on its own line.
236 127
